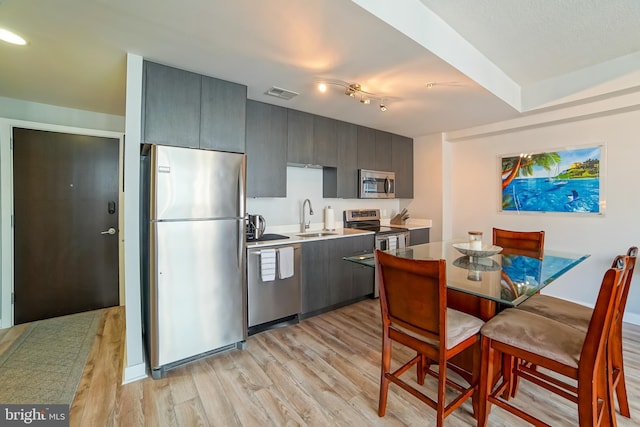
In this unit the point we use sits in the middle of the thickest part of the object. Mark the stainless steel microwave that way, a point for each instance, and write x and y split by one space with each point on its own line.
376 184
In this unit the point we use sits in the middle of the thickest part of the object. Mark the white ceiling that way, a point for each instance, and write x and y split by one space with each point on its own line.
491 60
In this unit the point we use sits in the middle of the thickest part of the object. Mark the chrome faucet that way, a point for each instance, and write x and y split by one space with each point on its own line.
305 224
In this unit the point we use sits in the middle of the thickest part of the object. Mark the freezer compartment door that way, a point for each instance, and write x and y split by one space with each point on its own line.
199 289
189 183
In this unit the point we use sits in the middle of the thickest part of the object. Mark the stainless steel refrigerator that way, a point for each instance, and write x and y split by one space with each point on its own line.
196 295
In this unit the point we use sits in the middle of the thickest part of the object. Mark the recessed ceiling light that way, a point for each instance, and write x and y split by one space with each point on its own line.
10 37
322 87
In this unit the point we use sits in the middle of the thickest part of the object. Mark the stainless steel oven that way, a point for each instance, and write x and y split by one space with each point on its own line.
386 237
376 184
392 240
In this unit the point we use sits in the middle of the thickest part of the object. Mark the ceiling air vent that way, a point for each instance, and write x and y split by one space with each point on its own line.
278 92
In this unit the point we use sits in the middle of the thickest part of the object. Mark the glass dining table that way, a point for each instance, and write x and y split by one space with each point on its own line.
505 280
483 286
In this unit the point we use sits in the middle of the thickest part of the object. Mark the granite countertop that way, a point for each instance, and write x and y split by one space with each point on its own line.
410 224
319 234
308 236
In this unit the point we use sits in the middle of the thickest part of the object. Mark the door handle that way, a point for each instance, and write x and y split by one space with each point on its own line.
111 230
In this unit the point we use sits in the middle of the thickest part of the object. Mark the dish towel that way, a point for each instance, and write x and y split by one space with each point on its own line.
401 241
393 243
268 265
285 262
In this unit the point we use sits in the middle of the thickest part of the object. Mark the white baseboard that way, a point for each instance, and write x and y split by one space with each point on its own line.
632 318
134 373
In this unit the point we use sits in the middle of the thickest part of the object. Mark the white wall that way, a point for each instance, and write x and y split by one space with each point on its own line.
427 182
475 196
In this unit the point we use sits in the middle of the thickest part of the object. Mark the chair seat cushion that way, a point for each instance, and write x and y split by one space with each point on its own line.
563 311
536 334
460 326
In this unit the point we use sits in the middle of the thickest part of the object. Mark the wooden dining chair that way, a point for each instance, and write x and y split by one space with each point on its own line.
527 243
578 316
413 303
541 342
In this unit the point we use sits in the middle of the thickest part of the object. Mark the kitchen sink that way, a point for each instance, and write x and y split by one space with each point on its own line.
317 234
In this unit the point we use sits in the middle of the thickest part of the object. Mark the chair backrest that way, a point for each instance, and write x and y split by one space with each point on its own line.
632 253
607 304
527 243
413 294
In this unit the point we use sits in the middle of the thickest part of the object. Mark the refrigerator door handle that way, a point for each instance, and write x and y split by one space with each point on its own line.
242 173
241 236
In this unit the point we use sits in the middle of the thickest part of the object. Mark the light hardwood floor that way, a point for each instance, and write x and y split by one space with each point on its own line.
321 372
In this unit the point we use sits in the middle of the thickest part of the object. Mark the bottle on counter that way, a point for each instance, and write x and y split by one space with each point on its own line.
329 219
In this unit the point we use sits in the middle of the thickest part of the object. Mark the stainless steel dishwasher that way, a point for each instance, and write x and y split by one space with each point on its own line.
272 303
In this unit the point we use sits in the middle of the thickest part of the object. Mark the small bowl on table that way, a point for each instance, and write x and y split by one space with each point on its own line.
484 252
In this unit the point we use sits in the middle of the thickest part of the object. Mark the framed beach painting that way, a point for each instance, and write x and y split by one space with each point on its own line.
567 180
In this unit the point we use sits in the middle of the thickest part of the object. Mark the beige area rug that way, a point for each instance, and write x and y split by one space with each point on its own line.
44 365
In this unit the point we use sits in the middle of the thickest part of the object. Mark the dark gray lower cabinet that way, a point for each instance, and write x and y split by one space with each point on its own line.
419 236
315 276
328 281
362 278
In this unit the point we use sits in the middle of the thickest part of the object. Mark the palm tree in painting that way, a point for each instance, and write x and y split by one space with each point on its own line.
523 164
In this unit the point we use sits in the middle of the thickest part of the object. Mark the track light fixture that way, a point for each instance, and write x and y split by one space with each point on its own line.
354 90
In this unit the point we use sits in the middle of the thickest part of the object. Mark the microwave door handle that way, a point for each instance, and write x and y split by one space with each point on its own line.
387 185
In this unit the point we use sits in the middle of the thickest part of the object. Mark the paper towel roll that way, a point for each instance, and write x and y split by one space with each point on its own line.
329 219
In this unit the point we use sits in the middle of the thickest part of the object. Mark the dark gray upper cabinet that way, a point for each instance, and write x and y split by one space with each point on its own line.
402 157
383 151
300 137
347 170
324 141
374 149
190 110
171 106
266 150
366 148
223 115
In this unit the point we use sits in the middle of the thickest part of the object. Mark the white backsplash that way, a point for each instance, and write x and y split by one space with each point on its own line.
303 183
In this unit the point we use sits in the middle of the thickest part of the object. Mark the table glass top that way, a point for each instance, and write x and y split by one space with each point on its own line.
507 279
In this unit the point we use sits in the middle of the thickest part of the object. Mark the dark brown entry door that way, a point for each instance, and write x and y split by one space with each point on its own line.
65 196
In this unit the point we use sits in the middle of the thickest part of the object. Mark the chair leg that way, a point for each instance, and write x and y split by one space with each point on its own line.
621 393
442 385
486 381
609 410
508 366
384 381
618 371
421 369
594 399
